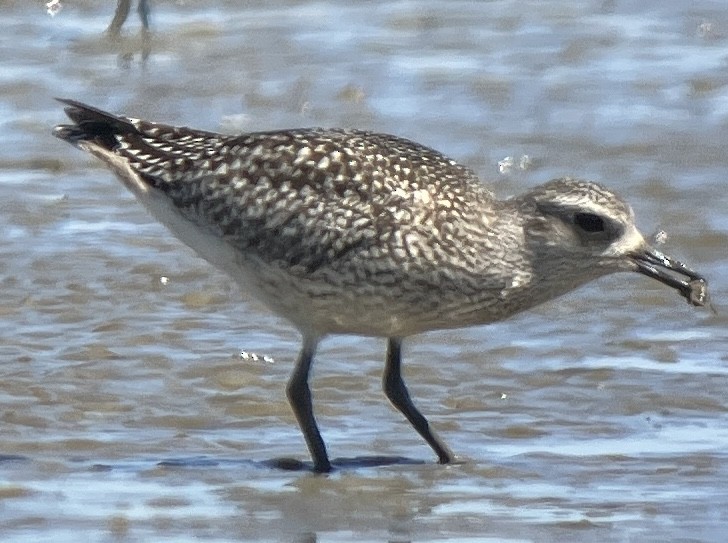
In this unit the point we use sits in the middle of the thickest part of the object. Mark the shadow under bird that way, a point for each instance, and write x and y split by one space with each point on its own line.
352 232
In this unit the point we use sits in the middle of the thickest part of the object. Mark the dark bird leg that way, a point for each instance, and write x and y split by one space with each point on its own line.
143 11
396 391
120 15
299 396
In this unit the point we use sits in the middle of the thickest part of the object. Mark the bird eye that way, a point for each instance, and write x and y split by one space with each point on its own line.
589 222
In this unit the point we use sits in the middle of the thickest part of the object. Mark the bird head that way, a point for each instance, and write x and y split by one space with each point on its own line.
577 228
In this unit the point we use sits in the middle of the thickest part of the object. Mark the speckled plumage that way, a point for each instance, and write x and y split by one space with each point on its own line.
356 232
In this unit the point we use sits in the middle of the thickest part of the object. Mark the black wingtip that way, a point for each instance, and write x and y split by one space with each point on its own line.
91 124
71 102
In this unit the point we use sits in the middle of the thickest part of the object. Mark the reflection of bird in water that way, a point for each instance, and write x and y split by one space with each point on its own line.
349 232
122 12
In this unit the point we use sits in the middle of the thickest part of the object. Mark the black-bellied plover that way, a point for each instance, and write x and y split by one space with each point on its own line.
350 232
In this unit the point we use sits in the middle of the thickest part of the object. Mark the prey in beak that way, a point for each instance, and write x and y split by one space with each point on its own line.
691 285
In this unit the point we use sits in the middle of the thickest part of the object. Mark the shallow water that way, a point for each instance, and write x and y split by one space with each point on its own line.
126 410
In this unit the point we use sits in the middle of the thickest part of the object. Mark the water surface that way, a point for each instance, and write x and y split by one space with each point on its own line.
126 410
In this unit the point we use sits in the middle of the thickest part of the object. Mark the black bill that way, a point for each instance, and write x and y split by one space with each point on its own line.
690 284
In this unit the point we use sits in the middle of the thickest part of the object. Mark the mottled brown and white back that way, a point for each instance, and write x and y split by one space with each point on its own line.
337 230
